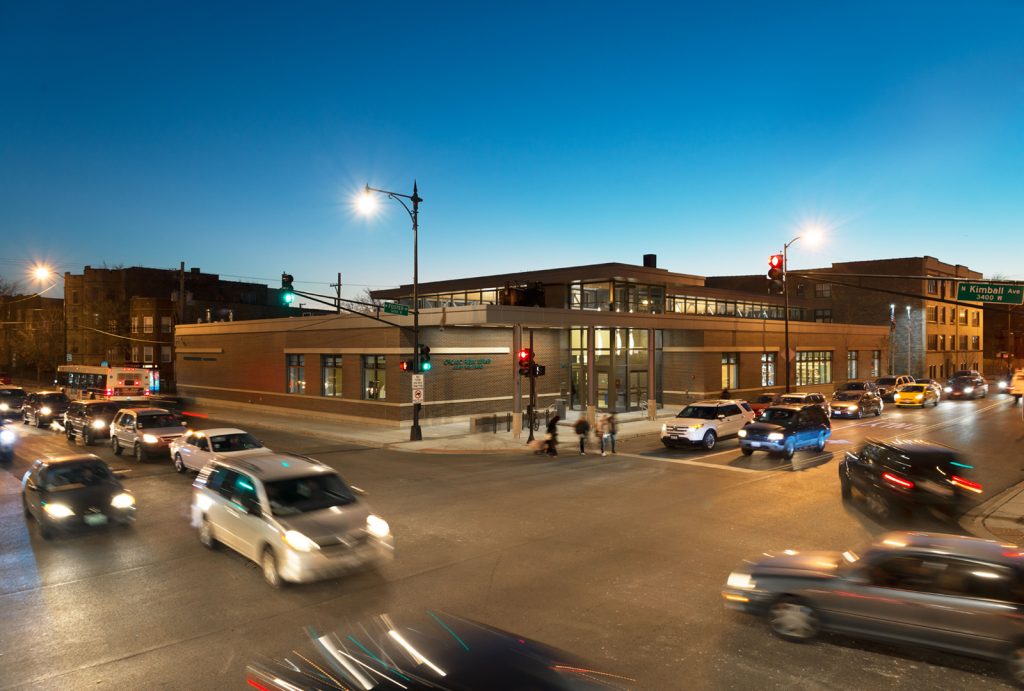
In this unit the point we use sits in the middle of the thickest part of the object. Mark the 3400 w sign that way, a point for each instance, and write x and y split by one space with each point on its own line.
990 292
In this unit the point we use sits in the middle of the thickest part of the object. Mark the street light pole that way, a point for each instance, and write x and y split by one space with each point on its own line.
415 433
908 339
785 303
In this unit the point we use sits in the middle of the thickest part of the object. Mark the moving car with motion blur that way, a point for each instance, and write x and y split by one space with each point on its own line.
706 422
1017 385
888 386
41 408
956 594
913 395
89 420
813 398
290 514
12 398
433 650
966 386
8 440
71 493
145 432
856 399
785 429
935 385
194 449
898 475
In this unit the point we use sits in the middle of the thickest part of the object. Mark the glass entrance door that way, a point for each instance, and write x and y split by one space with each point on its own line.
637 389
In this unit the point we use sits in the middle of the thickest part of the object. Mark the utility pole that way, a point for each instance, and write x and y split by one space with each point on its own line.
181 293
337 291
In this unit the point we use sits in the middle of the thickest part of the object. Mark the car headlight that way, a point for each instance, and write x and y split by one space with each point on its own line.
664 429
298 541
1002 385
122 501
7 436
58 510
948 389
896 397
741 433
697 426
853 407
98 424
45 410
4 407
776 436
968 389
743 581
149 439
919 397
377 526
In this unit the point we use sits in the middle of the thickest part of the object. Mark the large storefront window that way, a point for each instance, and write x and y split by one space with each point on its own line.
813 367
620 367
851 364
295 373
590 296
330 375
730 370
768 369
374 377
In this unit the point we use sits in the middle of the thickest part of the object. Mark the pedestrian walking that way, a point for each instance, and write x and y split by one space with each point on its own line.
608 430
552 437
582 428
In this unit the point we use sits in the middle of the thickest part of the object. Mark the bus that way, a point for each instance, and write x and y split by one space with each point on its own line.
111 383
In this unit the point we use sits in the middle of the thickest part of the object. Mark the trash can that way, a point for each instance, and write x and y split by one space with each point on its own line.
560 408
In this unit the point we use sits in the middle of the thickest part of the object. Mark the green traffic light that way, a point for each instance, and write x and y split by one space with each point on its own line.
425 366
288 298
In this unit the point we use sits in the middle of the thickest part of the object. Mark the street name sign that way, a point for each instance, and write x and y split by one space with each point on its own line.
395 308
990 292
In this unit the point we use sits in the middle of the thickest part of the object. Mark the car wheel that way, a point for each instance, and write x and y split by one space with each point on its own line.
270 573
38 422
115 445
140 453
878 410
860 414
844 487
179 465
87 437
1015 664
24 418
878 505
820 446
794 620
709 440
24 507
69 434
789 449
206 537
746 452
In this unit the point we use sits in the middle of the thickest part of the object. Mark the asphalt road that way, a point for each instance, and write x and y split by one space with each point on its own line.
617 559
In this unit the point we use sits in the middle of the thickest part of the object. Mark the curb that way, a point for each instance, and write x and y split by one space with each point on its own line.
975 520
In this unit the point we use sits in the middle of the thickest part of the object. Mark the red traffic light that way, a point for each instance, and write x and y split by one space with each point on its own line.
775 261
525 355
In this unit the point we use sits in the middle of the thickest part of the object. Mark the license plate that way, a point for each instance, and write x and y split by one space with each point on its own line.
95 519
755 444
673 436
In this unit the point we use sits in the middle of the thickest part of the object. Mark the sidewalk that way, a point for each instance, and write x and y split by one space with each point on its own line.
1000 518
444 438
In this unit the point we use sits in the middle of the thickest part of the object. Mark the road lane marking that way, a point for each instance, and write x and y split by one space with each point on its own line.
685 461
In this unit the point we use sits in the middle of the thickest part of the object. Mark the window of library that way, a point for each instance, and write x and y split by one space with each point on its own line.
851 364
813 367
823 316
768 369
295 374
976 318
822 290
975 342
374 377
330 375
165 325
933 286
730 370
147 324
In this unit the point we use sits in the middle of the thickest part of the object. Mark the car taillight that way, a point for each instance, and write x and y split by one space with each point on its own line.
966 484
109 392
897 480
147 392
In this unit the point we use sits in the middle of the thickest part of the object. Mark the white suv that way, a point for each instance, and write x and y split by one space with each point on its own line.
706 422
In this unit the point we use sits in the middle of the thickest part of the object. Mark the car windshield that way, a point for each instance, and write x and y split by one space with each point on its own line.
847 396
765 398
855 386
886 381
53 398
792 399
963 381
104 409
304 494
699 412
915 388
239 441
158 420
65 476
779 415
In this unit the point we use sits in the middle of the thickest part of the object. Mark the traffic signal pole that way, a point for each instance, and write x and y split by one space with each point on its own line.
785 305
532 407
415 433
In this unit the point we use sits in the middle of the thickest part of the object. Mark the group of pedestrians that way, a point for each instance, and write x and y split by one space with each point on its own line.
605 430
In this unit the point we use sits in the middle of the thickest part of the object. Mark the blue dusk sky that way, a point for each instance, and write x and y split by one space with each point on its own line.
234 135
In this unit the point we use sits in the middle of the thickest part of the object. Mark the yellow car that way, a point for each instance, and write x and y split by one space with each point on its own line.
916 395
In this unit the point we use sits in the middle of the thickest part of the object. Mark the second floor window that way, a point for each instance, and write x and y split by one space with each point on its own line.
147 325
822 290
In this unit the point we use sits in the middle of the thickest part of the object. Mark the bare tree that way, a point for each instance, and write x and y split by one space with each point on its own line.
365 302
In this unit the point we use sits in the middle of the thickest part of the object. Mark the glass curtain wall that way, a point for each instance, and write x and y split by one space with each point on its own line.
620 366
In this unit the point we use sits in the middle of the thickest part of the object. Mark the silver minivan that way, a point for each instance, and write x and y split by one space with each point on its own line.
292 515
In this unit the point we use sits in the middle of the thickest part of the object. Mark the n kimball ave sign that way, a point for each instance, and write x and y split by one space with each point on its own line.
990 292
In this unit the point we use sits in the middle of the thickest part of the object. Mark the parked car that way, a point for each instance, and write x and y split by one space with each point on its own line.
887 386
1017 385
785 429
144 432
74 492
948 592
89 420
818 399
856 402
901 474
706 422
43 407
294 516
12 398
968 386
764 400
194 449
915 394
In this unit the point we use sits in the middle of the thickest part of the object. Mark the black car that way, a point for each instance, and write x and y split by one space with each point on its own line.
900 474
74 493
90 420
968 386
43 407
785 429
434 651
11 400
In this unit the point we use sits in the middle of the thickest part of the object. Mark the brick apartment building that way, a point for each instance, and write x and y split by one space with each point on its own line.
31 335
931 333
